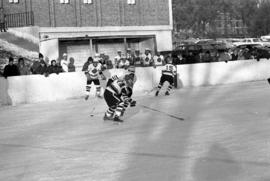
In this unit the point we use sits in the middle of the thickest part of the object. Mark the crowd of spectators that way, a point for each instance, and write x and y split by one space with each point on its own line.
40 66
136 58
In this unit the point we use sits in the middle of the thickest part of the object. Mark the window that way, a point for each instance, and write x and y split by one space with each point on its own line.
87 1
13 1
131 2
64 1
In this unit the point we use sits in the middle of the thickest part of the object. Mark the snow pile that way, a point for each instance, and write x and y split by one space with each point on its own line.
28 33
18 51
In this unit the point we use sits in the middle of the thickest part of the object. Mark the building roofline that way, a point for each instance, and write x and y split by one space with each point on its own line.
104 29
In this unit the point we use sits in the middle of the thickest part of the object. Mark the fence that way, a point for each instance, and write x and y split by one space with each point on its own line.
20 19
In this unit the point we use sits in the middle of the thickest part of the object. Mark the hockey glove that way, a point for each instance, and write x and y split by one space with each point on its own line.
103 77
133 103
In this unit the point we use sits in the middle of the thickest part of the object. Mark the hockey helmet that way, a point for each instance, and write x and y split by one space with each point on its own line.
96 60
168 59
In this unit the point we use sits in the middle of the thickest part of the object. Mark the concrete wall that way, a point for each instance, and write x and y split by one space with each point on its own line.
37 88
50 49
162 34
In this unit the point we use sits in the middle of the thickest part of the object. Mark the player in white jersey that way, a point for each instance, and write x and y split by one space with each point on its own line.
168 73
94 71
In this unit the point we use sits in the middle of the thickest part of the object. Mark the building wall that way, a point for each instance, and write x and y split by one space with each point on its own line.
51 13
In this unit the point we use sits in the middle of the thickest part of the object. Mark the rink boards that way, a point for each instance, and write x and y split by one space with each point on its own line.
38 88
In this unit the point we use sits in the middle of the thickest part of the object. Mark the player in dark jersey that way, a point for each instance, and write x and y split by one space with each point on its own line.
168 73
113 98
118 95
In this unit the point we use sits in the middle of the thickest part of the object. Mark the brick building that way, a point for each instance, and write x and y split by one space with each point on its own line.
84 27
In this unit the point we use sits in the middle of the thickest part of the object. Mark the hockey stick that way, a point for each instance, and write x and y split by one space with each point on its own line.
94 106
167 114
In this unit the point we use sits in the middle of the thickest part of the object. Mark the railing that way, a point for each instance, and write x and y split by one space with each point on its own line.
20 19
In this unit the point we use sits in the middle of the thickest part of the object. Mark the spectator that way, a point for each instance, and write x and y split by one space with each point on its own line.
36 64
102 61
124 63
158 59
109 64
137 58
2 20
175 60
206 57
224 56
117 59
11 69
190 58
130 57
54 68
181 58
42 69
71 66
47 61
247 54
235 55
87 63
147 57
23 69
64 62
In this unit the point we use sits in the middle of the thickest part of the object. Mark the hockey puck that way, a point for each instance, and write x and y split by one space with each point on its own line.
92 115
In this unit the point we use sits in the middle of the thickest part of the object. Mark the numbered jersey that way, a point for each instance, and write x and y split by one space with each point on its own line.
116 87
169 69
94 71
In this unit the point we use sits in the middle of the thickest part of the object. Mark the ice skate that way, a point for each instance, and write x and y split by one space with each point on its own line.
117 120
107 118
86 97
157 93
99 96
122 113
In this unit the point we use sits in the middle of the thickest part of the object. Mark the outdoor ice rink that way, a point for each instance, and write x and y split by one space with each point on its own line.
225 136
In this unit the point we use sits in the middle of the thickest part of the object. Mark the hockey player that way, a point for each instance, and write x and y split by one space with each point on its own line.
118 95
113 98
130 79
94 70
168 73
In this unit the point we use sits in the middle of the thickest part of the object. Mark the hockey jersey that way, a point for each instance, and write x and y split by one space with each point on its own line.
169 69
116 86
158 60
94 71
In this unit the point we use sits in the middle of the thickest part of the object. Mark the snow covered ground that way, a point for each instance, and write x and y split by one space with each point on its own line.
224 137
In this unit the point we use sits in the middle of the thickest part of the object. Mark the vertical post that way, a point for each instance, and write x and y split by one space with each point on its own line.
75 12
125 44
54 18
49 9
25 13
97 16
91 46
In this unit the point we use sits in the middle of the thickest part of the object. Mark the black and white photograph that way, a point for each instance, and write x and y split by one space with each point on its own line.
134 90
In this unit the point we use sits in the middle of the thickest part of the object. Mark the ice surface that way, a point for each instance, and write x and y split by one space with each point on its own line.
224 137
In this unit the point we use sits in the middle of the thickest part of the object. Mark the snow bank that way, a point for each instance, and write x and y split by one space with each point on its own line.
14 49
28 33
